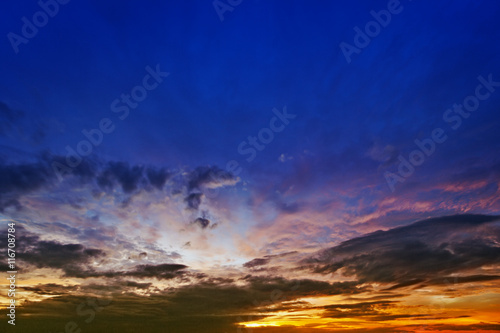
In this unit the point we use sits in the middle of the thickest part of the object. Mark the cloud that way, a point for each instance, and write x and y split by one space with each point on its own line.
256 262
158 177
386 155
73 259
289 208
468 279
199 180
363 309
267 259
52 254
297 288
209 305
50 289
193 200
209 177
16 180
372 311
127 176
202 222
77 260
23 178
212 306
138 285
160 272
417 253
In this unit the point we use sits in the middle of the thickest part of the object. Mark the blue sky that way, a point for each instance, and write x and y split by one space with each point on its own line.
160 180
237 70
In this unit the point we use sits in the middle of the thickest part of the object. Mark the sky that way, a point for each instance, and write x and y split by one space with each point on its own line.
250 166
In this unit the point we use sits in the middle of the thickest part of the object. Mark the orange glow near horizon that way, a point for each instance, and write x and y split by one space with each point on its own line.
422 316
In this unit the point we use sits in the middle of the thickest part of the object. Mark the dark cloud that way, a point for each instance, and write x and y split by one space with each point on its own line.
363 309
138 285
85 171
417 253
373 311
160 272
211 176
158 177
202 222
193 200
297 288
256 262
465 279
201 179
19 179
406 283
289 208
211 305
76 260
50 289
73 259
127 176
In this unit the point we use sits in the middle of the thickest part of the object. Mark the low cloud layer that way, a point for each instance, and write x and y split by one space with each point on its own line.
419 253
423 253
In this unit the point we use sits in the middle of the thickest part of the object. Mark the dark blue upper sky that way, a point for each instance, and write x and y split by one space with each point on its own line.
352 119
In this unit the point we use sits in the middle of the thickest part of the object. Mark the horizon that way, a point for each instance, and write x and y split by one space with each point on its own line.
246 166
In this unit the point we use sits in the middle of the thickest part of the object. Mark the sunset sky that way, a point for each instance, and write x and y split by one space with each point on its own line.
251 166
